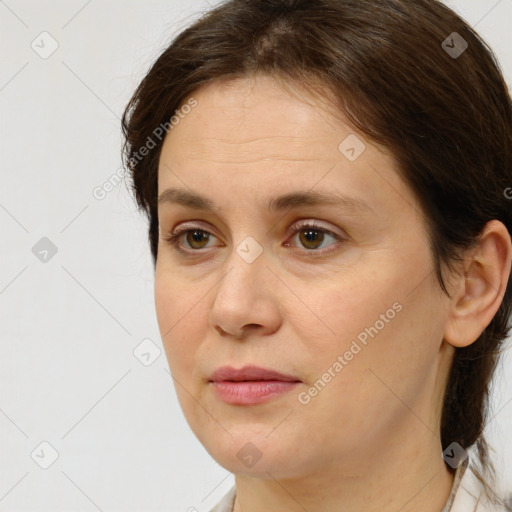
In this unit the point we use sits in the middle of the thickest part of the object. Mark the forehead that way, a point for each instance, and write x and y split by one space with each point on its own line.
258 116
261 136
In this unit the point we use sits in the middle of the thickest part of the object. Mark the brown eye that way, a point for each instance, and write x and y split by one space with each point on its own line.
311 238
196 238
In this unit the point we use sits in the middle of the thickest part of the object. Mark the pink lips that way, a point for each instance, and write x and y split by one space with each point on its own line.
250 385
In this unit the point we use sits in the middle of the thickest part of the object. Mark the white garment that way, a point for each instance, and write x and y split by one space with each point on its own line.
467 495
227 503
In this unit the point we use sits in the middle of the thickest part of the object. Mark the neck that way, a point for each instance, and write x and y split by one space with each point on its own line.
407 476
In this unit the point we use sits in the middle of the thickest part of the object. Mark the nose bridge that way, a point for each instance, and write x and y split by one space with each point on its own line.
247 255
245 268
243 294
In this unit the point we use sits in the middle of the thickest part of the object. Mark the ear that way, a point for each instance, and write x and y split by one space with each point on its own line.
479 292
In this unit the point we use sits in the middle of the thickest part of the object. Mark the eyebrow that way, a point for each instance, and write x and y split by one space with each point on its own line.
287 201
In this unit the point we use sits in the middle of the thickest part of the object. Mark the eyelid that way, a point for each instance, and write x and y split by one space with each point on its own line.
191 226
298 224
307 222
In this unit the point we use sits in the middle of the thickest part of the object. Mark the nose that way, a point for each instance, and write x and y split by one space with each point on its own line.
245 300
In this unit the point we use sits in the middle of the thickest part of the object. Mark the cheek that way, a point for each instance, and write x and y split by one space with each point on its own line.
175 307
348 307
181 331
387 317
389 340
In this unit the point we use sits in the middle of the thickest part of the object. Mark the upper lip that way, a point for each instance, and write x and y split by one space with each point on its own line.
248 373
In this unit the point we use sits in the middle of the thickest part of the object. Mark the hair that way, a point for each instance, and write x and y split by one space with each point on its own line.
445 118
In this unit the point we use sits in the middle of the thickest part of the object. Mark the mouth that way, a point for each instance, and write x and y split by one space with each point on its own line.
250 385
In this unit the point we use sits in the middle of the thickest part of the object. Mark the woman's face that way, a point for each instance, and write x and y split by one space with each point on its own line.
355 318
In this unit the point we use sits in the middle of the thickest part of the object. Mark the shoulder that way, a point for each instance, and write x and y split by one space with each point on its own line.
227 502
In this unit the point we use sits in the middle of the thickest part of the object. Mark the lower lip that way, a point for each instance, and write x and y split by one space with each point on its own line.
251 392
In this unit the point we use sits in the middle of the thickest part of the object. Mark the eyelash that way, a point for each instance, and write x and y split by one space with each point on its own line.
173 238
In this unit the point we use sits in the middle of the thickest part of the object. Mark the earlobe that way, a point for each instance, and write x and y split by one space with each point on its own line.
481 287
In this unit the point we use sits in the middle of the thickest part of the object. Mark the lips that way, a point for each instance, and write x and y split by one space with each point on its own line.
249 373
250 385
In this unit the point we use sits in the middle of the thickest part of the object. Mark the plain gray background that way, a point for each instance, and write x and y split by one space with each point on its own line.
70 321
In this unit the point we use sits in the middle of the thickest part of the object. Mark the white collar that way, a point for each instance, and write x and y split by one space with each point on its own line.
468 493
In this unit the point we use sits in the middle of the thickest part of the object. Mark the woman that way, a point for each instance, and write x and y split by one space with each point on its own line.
327 184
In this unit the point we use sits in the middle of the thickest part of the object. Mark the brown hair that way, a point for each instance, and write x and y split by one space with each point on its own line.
446 118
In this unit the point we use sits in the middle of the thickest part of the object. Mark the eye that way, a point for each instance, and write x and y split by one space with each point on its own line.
310 235
194 237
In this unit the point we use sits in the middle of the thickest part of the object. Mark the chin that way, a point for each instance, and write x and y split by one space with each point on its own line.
251 453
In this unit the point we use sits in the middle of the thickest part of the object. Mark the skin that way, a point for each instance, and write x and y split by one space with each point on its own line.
370 439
